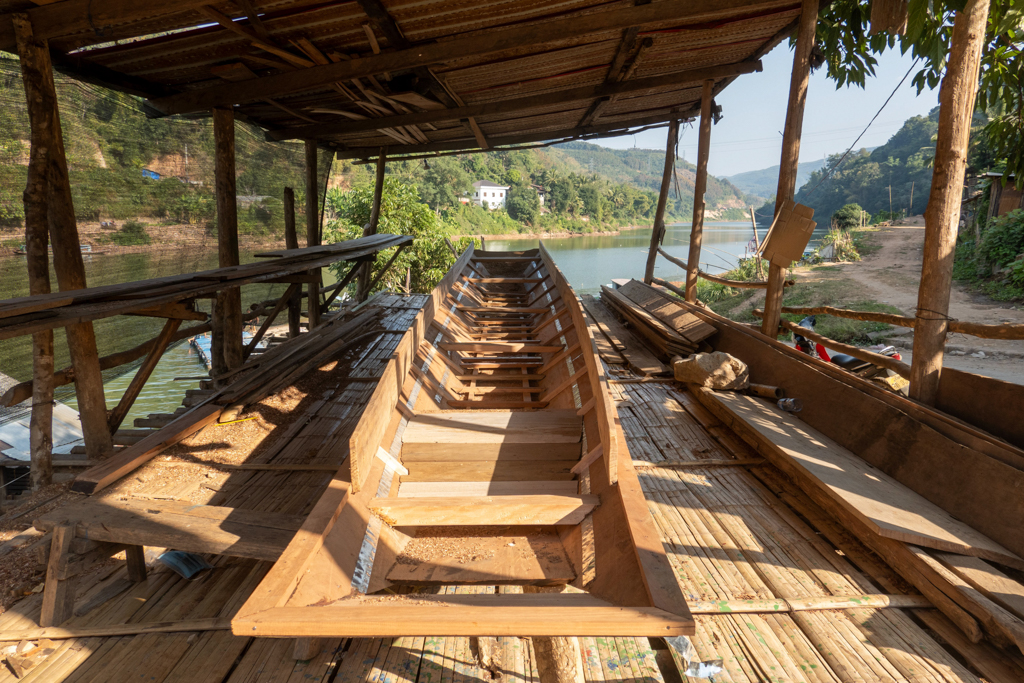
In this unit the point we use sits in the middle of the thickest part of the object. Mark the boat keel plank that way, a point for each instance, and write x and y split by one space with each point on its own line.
485 510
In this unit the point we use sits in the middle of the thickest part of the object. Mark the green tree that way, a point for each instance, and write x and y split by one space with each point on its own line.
847 217
444 182
401 213
522 203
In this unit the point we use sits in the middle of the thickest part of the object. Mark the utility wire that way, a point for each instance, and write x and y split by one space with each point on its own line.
847 152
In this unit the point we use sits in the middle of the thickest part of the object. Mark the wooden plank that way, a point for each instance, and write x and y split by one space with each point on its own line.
490 470
500 310
662 307
428 452
120 464
468 427
496 404
640 360
996 585
464 615
498 347
182 526
697 464
485 510
109 631
880 501
420 489
533 558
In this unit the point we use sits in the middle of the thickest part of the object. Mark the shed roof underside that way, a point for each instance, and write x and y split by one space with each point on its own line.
438 74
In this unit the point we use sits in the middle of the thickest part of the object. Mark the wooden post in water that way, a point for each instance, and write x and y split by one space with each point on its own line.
366 269
41 107
291 241
942 217
790 153
699 187
658 230
226 340
67 251
312 232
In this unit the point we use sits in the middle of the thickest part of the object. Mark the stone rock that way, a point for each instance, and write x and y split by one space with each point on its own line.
713 370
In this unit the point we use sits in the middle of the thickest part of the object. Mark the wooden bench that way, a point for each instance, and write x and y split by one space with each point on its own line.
93 530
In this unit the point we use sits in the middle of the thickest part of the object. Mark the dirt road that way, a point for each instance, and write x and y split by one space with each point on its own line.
891 273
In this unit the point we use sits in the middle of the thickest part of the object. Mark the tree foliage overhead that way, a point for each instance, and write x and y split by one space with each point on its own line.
849 54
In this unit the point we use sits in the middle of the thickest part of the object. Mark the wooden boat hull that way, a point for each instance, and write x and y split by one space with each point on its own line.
457 475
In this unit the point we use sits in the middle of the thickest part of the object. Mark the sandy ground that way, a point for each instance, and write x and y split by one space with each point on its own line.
892 274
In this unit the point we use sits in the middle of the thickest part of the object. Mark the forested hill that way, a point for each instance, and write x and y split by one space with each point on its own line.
765 181
643 168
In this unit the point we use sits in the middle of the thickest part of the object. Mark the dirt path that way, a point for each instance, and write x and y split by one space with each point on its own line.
891 273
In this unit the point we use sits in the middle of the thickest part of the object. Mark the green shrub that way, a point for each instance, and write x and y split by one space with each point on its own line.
131 234
843 248
1003 241
847 217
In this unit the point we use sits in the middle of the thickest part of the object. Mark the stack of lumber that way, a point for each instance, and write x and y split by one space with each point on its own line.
620 345
262 376
669 329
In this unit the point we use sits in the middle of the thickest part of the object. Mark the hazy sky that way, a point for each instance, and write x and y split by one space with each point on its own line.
754 112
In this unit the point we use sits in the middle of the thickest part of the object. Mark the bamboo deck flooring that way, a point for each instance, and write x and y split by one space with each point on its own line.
731 533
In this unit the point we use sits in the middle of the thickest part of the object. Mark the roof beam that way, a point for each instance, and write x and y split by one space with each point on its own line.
519 103
470 45
542 136
106 19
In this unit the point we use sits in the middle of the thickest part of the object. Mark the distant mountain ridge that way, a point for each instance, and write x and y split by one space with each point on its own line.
643 168
765 181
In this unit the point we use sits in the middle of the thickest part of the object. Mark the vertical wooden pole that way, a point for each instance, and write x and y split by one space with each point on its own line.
790 153
291 241
312 231
371 229
942 217
67 252
658 231
699 187
41 108
757 244
226 341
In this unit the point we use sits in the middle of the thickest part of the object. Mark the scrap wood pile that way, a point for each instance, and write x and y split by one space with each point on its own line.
669 329
262 376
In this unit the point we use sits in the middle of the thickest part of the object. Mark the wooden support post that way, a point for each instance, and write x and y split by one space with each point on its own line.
58 591
287 297
363 288
942 217
659 215
136 557
312 232
699 187
226 342
63 228
41 108
291 241
307 648
790 153
120 411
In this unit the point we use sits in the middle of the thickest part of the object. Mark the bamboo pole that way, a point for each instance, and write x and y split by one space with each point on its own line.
363 288
789 165
312 232
67 251
738 284
291 241
699 187
757 243
658 231
120 411
900 368
981 330
942 217
41 108
226 343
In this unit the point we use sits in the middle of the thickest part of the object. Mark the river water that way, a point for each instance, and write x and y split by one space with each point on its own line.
591 261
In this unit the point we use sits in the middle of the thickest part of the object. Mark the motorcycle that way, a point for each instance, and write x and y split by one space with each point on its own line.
861 368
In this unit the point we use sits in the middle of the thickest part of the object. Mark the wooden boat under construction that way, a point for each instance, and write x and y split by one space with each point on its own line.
489 454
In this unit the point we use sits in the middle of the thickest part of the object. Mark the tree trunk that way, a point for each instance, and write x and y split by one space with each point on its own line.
291 241
312 232
658 231
67 252
226 342
366 270
699 187
788 167
942 217
41 108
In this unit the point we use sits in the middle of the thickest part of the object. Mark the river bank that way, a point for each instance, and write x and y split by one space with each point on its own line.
175 237
558 235
886 280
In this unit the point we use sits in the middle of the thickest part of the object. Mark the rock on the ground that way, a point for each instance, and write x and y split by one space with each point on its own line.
715 370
